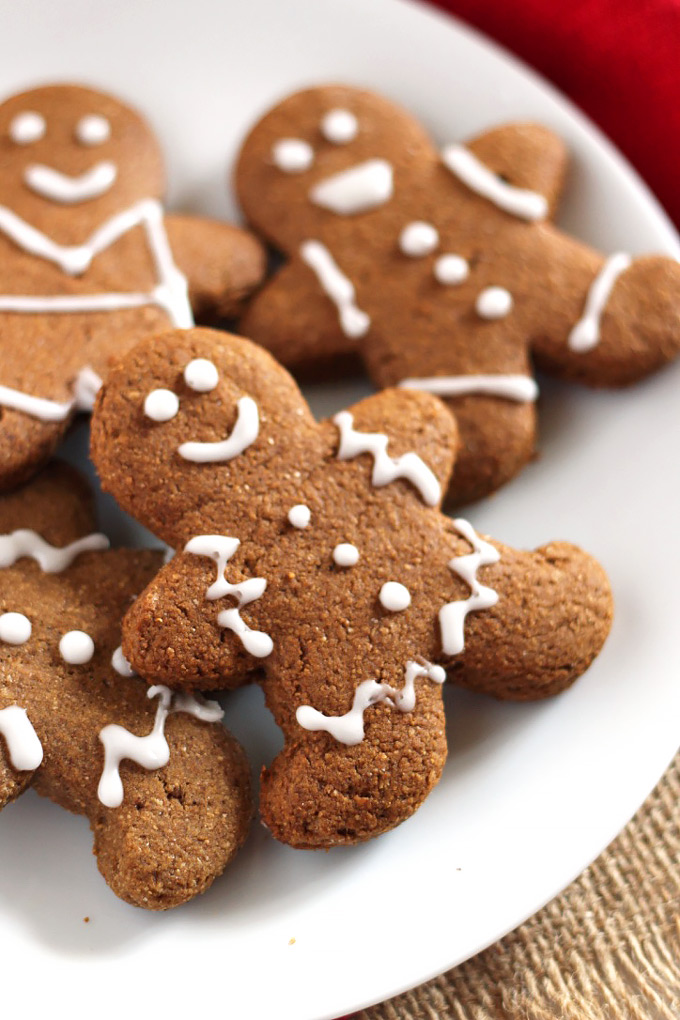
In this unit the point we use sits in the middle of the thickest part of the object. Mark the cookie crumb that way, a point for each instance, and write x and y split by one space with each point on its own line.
86 920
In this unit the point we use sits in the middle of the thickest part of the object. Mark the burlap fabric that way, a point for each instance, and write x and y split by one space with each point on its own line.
608 948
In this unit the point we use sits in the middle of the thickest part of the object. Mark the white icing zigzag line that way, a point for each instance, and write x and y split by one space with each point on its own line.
349 728
221 548
151 751
511 387
338 287
385 468
23 745
521 202
50 558
243 435
586 333
171 292
452 615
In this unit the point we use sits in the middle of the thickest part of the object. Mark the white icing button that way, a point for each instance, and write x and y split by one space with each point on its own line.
493 303
395 596
76 647
418 239
201 375
15 628
451 269
292 155
339 127
299 515
120 663
93 130
161 405
27 127
346 555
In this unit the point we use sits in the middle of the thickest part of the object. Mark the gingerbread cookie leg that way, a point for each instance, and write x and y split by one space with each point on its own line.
177 828
364 771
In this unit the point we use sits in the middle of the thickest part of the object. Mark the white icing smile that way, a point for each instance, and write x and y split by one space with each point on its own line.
362 187
58 187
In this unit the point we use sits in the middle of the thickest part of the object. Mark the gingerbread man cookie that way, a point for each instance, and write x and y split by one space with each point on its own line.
166 789
90 261
313 556
442 269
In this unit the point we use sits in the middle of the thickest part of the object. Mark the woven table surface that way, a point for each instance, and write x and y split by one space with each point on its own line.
607 948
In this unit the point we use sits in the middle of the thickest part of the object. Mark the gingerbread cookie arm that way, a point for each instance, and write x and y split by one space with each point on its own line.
527 157
184 633
604 321
25 442
401 436
223 264
546 615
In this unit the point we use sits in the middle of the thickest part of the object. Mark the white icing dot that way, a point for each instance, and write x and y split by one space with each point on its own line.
395 596
15 628
493 303
292 155
76 647
346 554
27 127
451 269
339 127
93 129
418 239
161 405
299 515
120 663
201 375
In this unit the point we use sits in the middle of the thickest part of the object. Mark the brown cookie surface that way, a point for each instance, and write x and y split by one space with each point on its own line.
70 707
89 262
314 558
442 269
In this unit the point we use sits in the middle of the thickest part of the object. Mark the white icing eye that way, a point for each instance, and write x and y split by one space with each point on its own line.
27 127
93 130
493 303
418 239
292 155
76 647
339 127
161 405
394 596
451 269
15 628
299 515
120 663
201 375
346 555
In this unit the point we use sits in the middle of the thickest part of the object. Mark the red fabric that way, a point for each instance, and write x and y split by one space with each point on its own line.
619 60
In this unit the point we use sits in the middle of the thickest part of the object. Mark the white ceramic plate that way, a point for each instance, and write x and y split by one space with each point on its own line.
531 793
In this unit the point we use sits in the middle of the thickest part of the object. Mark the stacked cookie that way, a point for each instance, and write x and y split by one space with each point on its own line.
310 557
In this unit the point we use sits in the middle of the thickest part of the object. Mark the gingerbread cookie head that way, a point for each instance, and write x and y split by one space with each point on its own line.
442 268
165 788
66 149
90 261
314 557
